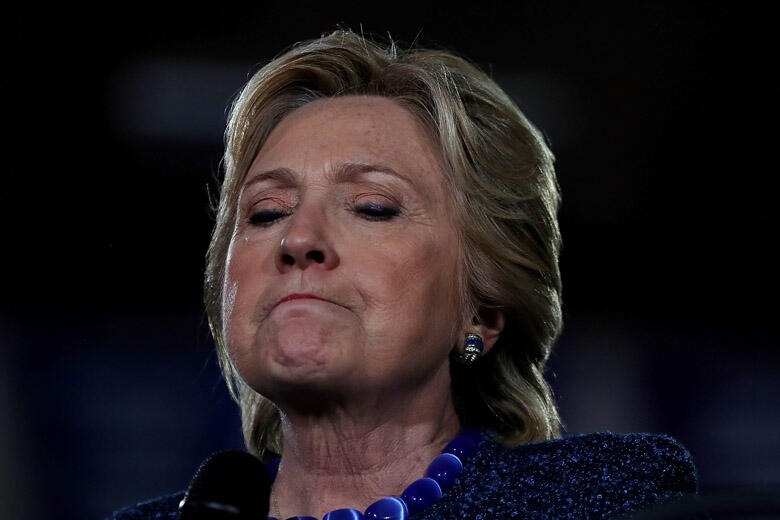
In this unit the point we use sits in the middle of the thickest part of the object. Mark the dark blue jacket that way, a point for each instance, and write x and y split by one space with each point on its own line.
598 475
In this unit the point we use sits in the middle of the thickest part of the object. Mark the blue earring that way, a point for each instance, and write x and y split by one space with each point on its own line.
472 349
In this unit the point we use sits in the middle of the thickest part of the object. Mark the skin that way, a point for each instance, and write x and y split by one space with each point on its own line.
346 201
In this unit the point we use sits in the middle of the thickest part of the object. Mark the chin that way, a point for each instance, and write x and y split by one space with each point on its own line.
305 344
296 369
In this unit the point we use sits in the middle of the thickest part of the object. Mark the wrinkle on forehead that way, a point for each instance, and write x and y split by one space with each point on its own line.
384 132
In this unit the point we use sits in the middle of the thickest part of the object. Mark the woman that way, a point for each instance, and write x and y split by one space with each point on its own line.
383 274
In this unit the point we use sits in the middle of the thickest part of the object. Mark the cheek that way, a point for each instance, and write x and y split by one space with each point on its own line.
229 290
241 290
415 283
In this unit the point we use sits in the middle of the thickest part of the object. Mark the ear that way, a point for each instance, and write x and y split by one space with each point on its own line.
489 325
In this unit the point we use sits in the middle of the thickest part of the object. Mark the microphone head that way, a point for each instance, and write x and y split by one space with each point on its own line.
229 484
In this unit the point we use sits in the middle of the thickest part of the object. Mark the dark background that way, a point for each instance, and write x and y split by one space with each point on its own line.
663 121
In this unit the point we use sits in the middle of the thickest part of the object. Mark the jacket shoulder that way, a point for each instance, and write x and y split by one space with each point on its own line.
164 507
654 462
608 473
596 475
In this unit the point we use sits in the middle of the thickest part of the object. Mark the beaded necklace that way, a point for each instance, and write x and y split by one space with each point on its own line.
419 495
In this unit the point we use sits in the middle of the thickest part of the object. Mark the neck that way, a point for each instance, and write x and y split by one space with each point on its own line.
350 457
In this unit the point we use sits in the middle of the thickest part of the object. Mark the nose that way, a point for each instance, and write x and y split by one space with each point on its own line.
306 244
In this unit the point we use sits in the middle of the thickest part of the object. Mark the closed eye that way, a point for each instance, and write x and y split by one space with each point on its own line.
266 217
374 211
368 211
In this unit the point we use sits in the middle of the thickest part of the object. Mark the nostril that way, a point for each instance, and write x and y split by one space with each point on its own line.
287 259
317 256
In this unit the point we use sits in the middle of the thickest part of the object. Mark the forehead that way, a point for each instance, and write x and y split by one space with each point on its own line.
319 136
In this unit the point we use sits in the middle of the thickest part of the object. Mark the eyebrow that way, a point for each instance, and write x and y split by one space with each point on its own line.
345 172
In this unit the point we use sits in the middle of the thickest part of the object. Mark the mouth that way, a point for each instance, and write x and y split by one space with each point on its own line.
298 296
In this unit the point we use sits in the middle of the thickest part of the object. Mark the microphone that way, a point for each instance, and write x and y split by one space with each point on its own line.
229 485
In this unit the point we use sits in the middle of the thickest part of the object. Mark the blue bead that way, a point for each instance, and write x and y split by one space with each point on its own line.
301 518
462 446
344 514
421 493
272 518
390 508
445 469
272 466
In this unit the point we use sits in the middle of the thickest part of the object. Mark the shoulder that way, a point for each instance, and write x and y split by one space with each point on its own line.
635 460
164 507
595 475
599 472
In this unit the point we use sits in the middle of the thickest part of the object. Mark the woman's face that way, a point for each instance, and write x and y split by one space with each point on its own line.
345 202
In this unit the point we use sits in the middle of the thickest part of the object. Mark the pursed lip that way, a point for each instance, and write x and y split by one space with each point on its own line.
298 296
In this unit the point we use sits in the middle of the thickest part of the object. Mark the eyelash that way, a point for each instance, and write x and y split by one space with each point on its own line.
376 212
266 217
371 211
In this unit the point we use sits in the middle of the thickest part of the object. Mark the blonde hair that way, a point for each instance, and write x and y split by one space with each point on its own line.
505 197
